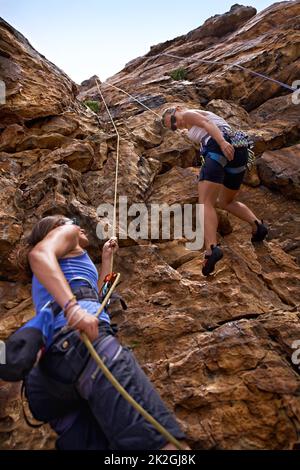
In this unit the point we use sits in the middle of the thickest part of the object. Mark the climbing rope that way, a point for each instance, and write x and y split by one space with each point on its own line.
135 99
114 277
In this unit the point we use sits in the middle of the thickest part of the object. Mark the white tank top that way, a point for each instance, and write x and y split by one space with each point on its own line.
200 135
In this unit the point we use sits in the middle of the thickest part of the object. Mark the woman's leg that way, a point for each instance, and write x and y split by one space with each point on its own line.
208 194
228 203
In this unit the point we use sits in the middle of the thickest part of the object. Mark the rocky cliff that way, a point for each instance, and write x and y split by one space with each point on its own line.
218 349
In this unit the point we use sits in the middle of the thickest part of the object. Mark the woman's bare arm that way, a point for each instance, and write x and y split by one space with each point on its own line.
109 248
43 259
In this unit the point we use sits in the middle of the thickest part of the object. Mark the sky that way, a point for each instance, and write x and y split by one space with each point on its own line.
88 37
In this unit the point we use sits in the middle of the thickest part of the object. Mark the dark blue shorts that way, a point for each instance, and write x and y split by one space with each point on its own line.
213 171
96 416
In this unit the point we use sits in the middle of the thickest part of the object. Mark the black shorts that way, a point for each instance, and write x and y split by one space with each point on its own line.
96 415
213 171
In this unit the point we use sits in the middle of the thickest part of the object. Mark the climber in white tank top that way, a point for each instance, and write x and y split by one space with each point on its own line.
220 177
201 126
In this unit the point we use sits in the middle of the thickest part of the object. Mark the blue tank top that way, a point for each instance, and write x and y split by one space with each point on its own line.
78 270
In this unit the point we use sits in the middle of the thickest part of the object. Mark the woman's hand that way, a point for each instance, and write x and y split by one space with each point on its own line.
228 150
109 248
81 320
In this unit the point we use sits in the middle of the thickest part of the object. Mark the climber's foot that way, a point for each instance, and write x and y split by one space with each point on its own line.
211 260
261 232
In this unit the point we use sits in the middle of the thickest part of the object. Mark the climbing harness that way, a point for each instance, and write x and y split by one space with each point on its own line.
223 162
238 140
25 416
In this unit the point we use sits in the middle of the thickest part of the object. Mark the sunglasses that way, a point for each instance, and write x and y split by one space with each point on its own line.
73 221
173 122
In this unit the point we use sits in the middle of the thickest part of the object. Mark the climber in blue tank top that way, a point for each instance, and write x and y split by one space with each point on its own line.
65 387
76 269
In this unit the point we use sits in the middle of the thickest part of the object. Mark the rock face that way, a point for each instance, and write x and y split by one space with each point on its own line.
27 83
218 349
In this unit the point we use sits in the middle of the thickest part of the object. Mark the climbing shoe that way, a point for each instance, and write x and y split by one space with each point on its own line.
211 260
261 232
